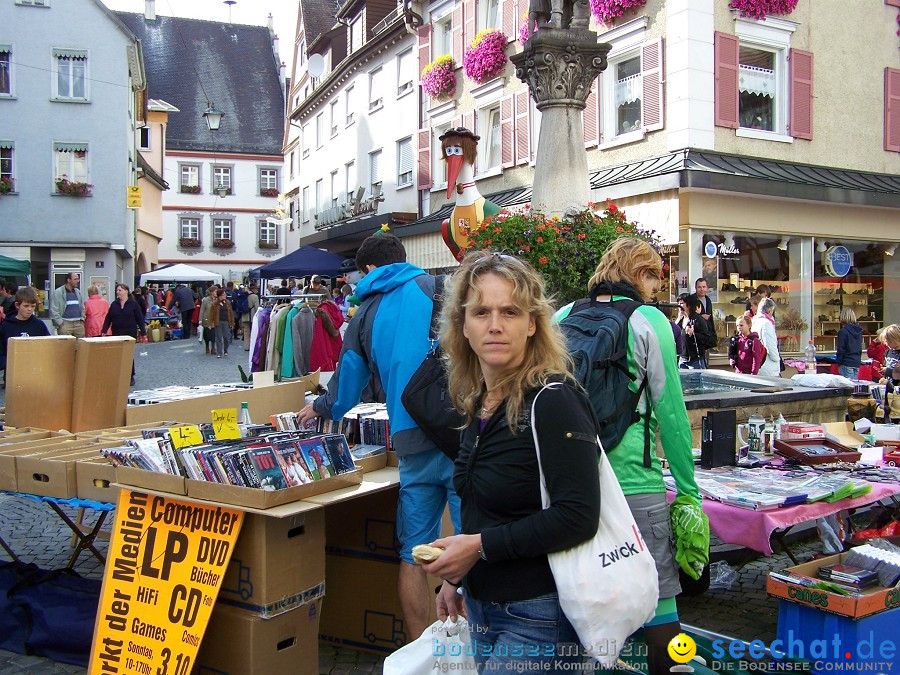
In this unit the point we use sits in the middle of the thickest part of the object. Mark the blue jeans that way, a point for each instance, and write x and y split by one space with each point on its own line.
849 372
534 632
691 365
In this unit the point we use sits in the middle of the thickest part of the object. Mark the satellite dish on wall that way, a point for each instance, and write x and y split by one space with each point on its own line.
316 65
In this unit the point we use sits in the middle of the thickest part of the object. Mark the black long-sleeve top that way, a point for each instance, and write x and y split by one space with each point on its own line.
496 476
124 320
695 345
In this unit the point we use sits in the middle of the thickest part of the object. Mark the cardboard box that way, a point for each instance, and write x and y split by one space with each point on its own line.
262 402
34 435
150 480
364 527
52 474
40 374
363 610
392 458
102 377
871 601
234 495
801 431
242 643
373 463
94 479
844 433
274 561
8 454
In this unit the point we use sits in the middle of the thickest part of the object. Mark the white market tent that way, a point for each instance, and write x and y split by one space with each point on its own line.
180 272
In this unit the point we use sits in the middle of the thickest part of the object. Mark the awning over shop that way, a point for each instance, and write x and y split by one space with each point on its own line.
305 261
11 267
180 272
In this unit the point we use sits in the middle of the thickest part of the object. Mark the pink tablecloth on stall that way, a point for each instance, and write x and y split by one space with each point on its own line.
753 529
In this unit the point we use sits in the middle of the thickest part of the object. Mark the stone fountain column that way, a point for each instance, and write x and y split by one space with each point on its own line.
559 65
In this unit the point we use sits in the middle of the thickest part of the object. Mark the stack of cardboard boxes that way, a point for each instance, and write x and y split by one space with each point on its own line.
51 384
266 618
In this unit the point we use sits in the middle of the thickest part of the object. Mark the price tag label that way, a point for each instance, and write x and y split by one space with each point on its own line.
185 436
225 424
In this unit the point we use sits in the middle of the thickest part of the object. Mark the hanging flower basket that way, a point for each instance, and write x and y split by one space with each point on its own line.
189 242
64 186
271 245
438 79
268 192
191 189
486 58
757 9
607 11
527 28
6 185
566 251
223 243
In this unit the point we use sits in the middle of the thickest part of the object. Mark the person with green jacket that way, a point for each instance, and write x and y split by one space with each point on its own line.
630 270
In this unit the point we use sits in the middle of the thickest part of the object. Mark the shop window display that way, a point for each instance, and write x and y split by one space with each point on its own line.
847 274
739 266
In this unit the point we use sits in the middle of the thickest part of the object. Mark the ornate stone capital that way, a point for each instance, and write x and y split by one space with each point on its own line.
559 65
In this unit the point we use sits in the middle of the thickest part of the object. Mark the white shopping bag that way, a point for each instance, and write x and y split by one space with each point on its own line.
608 586
444 646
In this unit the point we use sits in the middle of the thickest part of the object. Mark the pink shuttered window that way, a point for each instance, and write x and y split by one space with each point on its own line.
507 139
727 48
510 18
652 83
468 22
423 168
456 34
590 120
424 34
801 94
522 127
468 121
892 109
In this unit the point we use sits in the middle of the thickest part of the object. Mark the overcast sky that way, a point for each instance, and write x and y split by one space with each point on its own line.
250 12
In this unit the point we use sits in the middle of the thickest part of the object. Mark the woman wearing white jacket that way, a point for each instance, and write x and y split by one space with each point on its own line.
764 326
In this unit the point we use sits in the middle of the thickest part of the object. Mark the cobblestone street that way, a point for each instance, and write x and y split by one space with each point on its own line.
37 535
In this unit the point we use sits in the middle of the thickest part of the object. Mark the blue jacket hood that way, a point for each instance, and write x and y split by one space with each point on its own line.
387 278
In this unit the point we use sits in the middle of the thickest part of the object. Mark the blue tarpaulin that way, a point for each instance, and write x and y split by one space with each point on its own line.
303 262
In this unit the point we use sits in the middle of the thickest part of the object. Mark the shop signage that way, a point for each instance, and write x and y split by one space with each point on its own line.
166 562
669 250
356 206
133 196
838 261
712 249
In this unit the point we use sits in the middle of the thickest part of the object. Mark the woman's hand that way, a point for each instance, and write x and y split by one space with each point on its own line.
450 603
459 556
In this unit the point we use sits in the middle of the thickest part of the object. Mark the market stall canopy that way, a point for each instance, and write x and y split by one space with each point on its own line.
305 261
180 272
11 267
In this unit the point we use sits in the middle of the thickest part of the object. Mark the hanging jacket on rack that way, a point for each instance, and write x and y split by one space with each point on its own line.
326 342
302 330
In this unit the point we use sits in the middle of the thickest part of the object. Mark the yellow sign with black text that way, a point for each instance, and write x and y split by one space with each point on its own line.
133 198
225 425
167 559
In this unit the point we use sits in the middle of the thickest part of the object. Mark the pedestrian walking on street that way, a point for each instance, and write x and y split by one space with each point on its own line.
209 334
67 307
221 318
247 315
95 310
183 300
124 317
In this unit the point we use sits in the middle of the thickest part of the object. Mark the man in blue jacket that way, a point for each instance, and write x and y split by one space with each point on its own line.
388 340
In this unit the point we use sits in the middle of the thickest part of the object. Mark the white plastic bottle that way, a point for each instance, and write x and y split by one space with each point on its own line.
811 357
244 416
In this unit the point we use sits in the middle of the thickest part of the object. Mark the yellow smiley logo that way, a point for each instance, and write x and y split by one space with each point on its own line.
682 648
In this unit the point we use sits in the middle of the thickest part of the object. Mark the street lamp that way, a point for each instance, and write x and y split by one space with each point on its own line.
221 190
213 117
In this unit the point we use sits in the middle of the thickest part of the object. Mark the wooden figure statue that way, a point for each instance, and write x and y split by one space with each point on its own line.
459 147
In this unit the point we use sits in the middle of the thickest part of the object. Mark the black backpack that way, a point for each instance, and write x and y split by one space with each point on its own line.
597 337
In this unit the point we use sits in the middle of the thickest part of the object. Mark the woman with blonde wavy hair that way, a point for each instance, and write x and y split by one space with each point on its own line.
502 349
630 272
